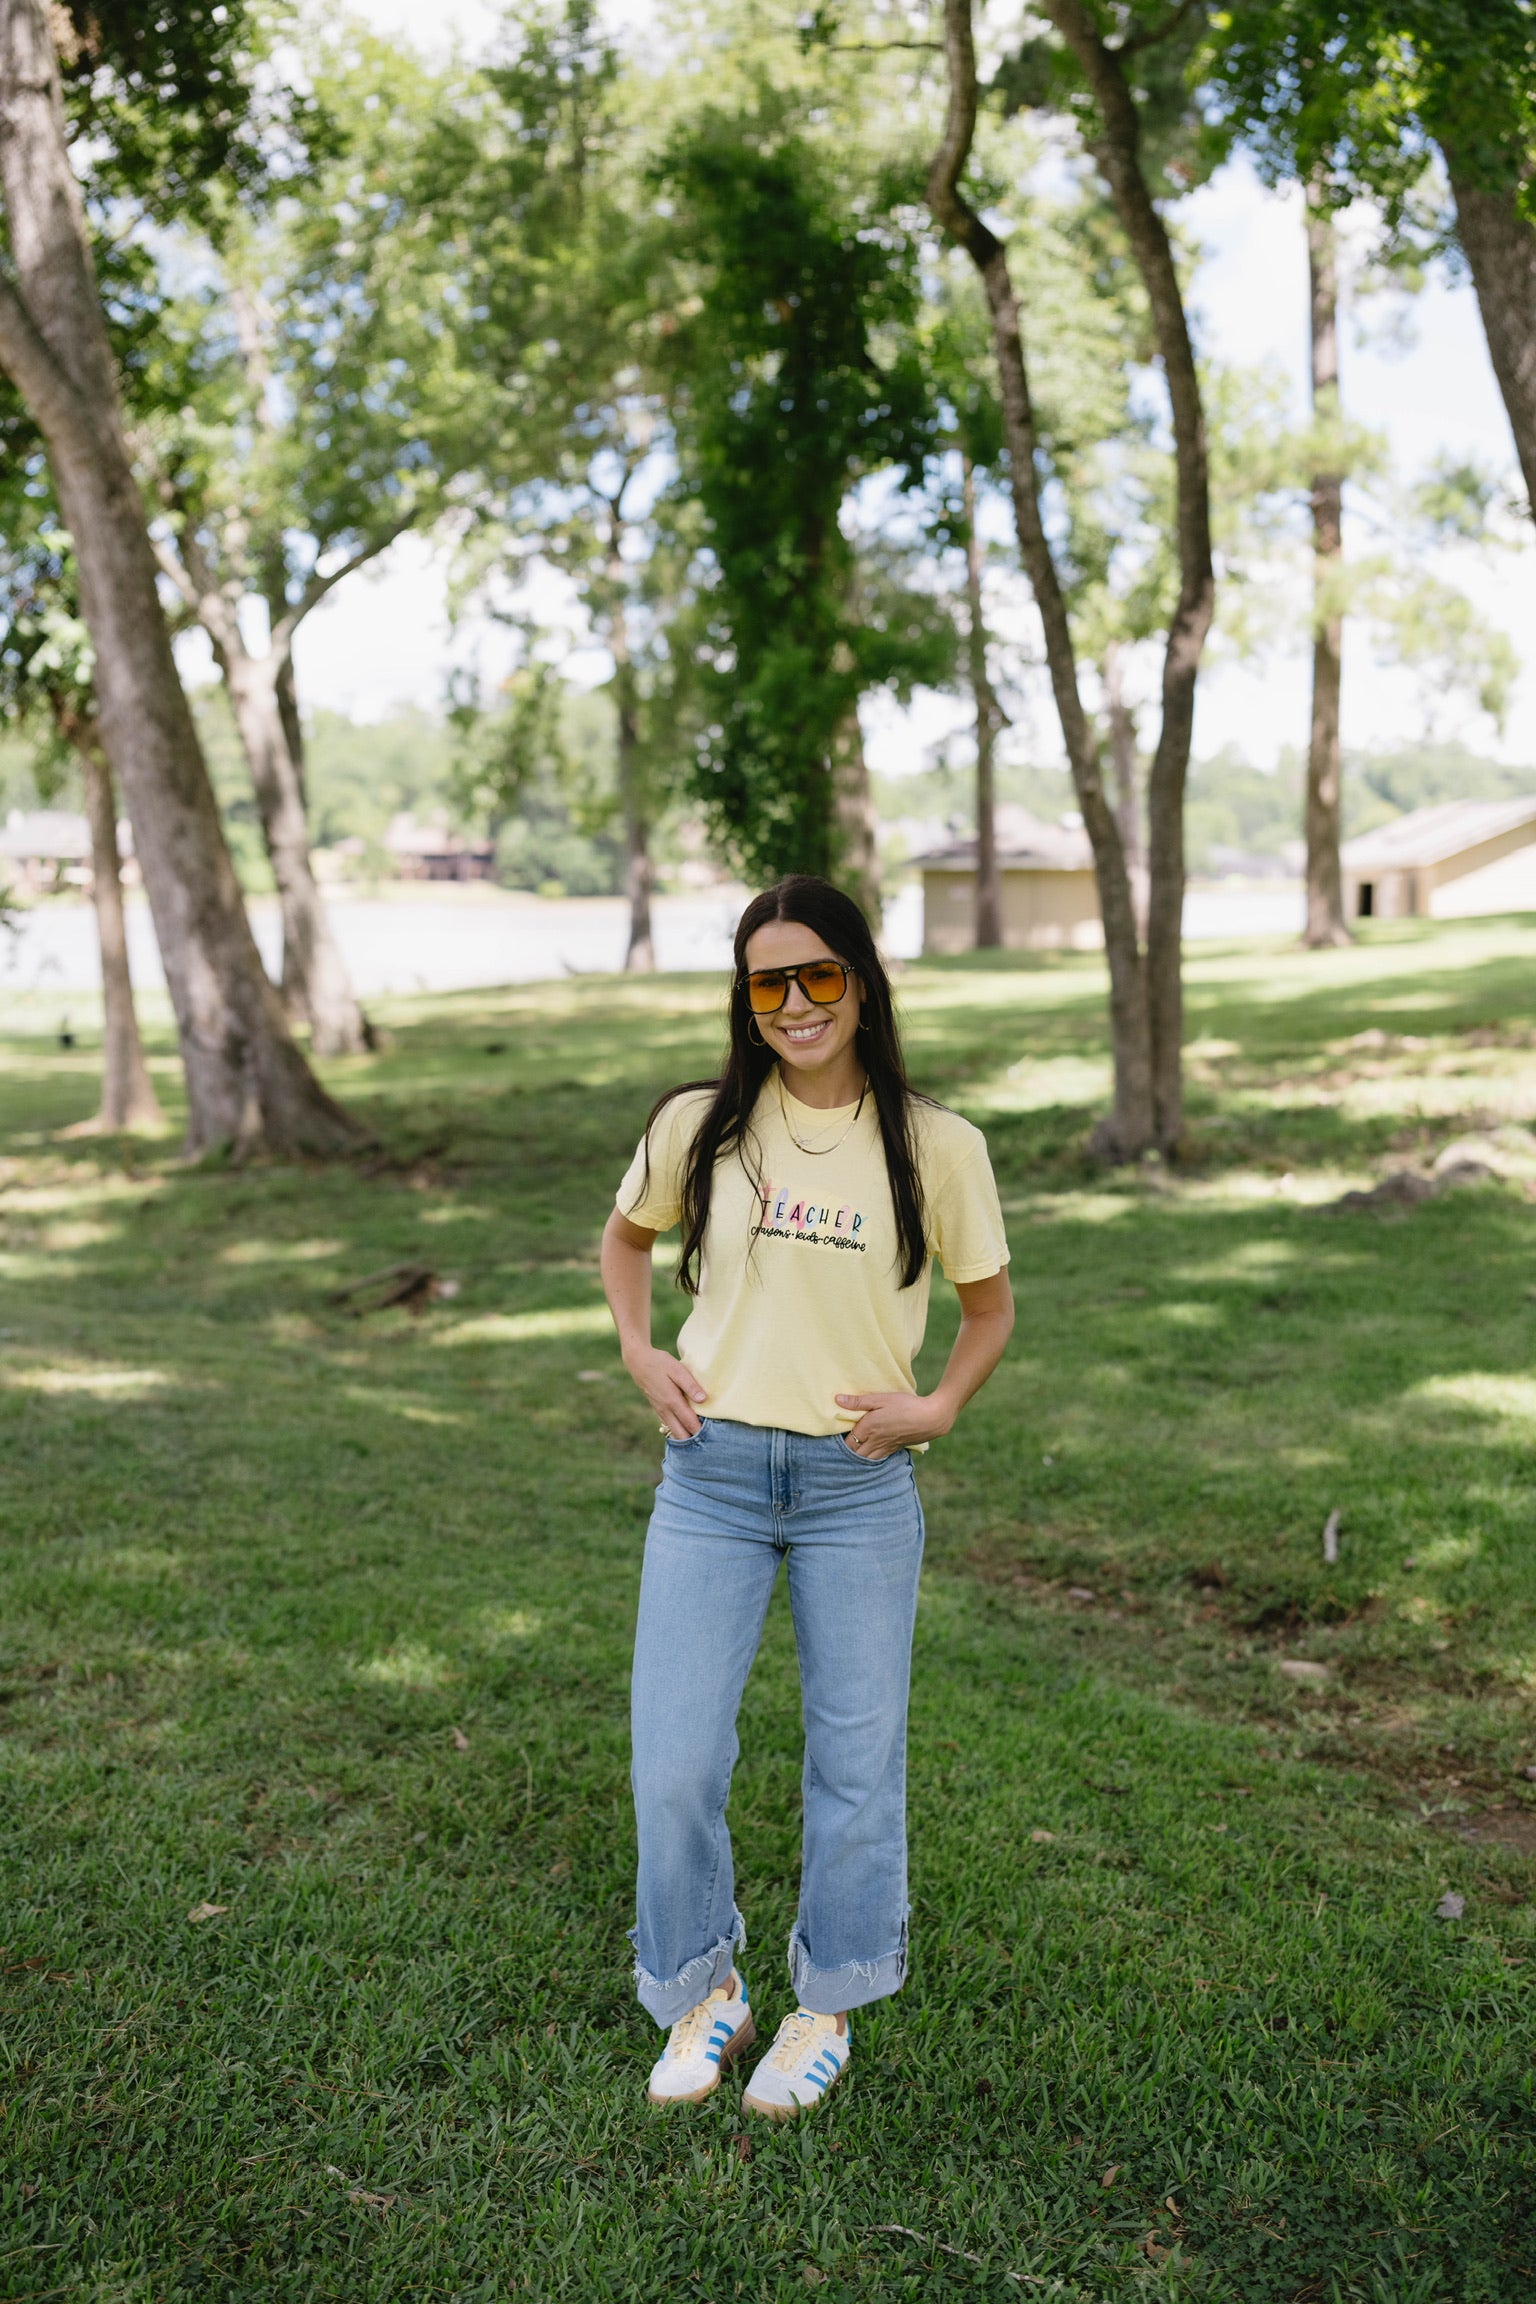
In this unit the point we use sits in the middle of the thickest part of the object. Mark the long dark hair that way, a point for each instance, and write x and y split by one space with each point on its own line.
842 927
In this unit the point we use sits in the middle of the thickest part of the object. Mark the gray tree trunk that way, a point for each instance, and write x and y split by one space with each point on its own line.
247 1084
128 1098
989 719
1325 762
1124 755
1117 149
639 869
853 807
1500 248
315 980
1128 1130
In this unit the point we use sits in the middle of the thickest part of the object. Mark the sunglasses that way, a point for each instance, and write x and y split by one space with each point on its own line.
822 981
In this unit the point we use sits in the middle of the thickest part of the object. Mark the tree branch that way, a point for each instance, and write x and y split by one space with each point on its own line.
316 586
170 566
1155 33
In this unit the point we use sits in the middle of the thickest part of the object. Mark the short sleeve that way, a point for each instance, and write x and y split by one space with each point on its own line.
651 1194
966 1220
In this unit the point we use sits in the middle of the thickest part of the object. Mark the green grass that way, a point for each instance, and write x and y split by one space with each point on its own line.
325 1620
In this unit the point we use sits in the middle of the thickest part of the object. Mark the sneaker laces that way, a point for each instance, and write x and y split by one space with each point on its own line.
690 2032
794 2034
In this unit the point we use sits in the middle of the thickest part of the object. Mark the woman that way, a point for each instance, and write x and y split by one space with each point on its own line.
812 1186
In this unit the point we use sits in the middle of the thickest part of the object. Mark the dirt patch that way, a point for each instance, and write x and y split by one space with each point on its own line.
1500 1828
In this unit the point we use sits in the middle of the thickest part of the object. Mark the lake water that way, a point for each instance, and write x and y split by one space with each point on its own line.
425 943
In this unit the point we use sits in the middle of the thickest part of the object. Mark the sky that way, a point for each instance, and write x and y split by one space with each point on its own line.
382 639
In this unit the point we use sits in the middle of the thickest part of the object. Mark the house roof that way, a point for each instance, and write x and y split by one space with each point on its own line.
1024 844
406 837
47 835
1431 835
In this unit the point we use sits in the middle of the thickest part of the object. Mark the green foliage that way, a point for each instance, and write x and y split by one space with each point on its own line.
173 107
797 375
1351 88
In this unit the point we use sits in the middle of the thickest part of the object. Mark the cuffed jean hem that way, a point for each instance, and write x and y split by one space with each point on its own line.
828 1991
670 1999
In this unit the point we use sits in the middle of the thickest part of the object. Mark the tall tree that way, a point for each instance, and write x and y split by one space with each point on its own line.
1325 761
1130 1127
313 408
247 1083
1114 134
46 693
797 375
989 724
1359 86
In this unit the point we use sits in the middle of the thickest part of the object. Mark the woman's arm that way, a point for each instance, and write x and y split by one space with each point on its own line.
893 1420
670 1387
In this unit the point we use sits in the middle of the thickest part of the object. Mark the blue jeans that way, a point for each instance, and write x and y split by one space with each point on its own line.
732 1503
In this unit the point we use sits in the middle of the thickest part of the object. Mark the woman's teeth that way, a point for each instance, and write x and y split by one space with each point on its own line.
802 1031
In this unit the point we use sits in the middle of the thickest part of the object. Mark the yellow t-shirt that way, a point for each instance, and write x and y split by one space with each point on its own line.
800 1293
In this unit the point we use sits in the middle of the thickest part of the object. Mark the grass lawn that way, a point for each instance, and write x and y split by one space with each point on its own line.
322 1621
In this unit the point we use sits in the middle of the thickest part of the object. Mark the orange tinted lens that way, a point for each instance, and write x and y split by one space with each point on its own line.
822 982
765 993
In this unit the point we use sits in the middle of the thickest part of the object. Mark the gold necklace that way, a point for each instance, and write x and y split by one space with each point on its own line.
820 1151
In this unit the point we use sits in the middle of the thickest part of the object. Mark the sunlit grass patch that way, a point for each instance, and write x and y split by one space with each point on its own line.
126 1384
411 1665
244 1253
528 1327
406 1405
1504 1400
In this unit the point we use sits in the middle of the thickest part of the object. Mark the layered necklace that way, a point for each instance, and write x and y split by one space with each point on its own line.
820 1151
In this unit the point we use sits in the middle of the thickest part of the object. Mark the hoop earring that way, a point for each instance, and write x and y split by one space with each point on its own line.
753 1033
861 1025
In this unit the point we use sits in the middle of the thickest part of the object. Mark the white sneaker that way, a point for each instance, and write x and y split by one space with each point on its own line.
701 2044
808 2055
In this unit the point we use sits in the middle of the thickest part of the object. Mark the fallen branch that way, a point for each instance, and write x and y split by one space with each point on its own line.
948 2248
413 1285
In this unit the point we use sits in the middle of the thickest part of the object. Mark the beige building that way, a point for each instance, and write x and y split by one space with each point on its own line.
1050 901
1445 863
432 852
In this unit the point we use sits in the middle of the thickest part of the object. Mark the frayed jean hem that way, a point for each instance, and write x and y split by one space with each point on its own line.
670 1999
828 1991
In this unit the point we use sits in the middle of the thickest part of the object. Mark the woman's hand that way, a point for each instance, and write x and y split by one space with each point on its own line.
892 1420
670 1388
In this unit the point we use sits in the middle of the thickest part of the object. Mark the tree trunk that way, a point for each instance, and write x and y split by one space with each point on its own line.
128 1098
247 1083
858 860
989 881
1123 754
314 975
1118 153
639 870
1500 248
1325 886
1128 1130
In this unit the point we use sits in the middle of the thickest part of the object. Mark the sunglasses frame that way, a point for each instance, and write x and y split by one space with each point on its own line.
793 975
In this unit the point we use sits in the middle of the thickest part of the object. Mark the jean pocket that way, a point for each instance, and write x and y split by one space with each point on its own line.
872 1463
696 1440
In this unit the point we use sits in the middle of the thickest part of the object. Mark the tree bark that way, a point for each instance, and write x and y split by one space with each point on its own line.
639 869
1123 754
1325 885
1128 1130
1500 248
853 805
1118 153
989 719
128 1098
315 982
247 1084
